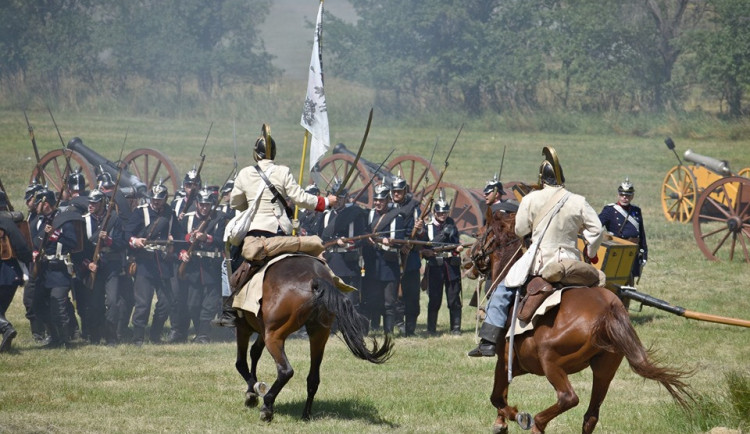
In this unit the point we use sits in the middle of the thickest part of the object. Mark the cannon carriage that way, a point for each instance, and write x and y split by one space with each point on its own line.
715 199
421 176
141 168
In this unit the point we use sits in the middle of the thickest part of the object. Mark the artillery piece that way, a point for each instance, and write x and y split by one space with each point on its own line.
141 168
420 175
716 200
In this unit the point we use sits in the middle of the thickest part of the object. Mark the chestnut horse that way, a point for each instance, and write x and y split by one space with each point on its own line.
590 328
298 291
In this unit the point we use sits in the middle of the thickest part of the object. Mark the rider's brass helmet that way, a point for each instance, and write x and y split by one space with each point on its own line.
265 146
550 171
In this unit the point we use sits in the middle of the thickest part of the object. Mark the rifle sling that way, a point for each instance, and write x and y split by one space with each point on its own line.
275 192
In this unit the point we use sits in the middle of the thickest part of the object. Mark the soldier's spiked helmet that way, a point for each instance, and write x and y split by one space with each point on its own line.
205 195
159 191
265 146
104 180
227 187
312 189
192 176
442 205
45 195
626 187
76 181
550 172
31 191
494 184
381 191
96 196
398 182
337 188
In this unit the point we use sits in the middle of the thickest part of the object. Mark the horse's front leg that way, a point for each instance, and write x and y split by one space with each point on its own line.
284 373
499 397
243 334
255 388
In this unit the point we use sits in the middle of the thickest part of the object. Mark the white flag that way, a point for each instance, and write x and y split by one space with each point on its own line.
315 113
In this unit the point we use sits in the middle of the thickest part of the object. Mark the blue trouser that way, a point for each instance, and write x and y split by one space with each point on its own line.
497 307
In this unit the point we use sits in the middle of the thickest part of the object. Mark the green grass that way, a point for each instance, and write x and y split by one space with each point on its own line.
429 385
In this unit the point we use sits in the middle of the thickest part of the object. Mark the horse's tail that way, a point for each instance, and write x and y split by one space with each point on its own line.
614 333
350 322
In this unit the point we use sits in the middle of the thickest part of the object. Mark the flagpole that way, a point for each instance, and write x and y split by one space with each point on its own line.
302 169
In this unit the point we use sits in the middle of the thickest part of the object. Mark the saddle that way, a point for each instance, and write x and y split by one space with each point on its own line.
537 290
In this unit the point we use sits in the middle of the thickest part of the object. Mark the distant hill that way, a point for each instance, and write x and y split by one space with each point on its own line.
287 36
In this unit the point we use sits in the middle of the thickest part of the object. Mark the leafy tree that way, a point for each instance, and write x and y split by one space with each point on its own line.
722 53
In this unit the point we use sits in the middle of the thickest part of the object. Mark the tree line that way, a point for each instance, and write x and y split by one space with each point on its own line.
480 56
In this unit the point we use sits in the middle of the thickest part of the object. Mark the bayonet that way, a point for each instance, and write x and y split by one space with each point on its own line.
40 173
502 161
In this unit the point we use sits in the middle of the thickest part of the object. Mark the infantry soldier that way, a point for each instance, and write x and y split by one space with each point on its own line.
559 242
625 220
15 260
38 332
202 269
443 268
347 220
380 286
150 223
493 197
190 184
408 306
54 237
76 195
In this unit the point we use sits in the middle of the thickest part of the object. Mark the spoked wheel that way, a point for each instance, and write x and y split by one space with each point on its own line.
679 193
337 166
745 173
150 166
52 166
464 207
417 171
722 223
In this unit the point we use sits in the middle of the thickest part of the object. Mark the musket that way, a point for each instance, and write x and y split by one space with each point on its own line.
428 204
164 242
189 199
502 161
332 243
438 244
201 228
427 171
372 178
40 172
234 138
105 221
353 167
451 247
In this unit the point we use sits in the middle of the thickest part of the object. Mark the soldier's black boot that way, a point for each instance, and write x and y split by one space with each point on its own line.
228 316
7 332
202 334
388 324
455 317
432 322
154 334
489 336
138 333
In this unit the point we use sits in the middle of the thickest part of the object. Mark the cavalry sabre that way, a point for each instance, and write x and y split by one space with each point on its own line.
356 159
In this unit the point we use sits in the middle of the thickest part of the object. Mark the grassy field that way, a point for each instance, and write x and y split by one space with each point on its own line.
429 385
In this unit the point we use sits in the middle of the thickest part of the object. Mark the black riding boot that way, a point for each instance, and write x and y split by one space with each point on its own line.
455 317
228 316
489 335
432 322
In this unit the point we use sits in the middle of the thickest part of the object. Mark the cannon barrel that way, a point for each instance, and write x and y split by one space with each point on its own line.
631 293
372 167
717 166
130 184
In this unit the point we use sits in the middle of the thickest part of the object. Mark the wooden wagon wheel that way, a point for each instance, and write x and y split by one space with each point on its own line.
337 165
465 207
150 165
723 219
53 165
744 172
417 171
679 192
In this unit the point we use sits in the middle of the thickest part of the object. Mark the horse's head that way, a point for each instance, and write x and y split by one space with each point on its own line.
496 246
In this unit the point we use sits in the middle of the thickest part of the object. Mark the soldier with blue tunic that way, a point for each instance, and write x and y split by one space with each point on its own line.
625 220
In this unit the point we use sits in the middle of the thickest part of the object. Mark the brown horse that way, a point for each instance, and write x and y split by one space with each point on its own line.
590 328
298 291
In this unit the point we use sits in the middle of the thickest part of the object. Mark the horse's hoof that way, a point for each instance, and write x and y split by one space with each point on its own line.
499 429
266 415
524 420
251 400
260 388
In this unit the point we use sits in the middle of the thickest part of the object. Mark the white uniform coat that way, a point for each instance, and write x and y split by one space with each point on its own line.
560 240
269 216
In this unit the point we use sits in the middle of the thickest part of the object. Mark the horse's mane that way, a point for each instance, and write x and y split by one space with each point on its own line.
497 245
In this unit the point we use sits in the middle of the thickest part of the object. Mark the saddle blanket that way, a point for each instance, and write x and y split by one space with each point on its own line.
249 297
551 301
